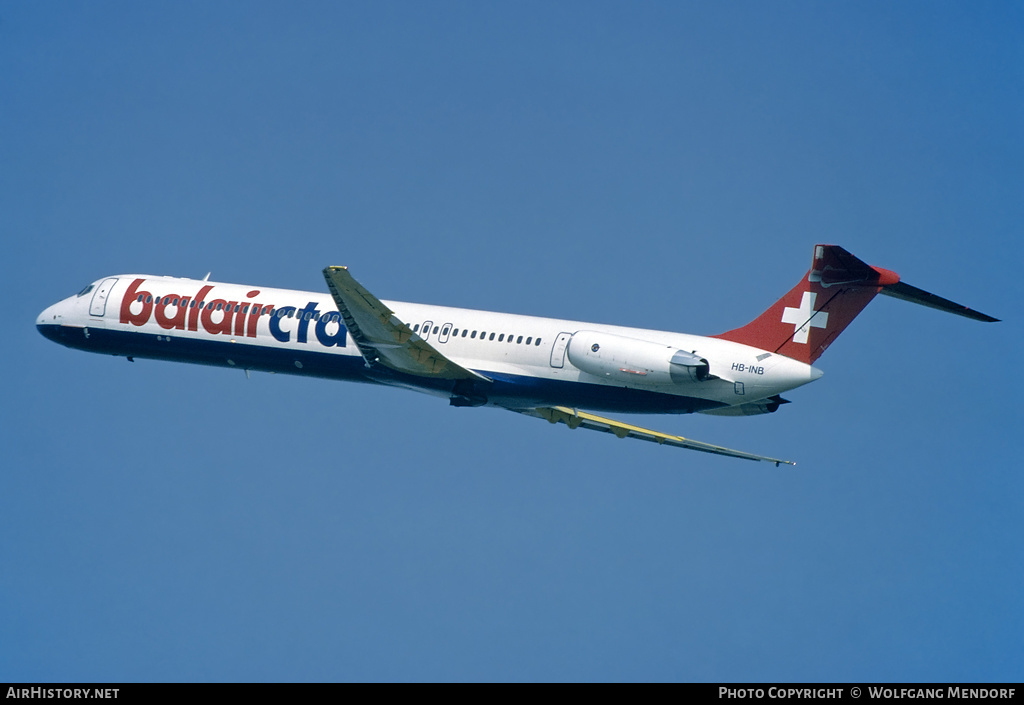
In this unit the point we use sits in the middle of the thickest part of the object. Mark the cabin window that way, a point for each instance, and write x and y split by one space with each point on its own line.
455 332
436 328
519 340
416 328
501 338
529 340
492 337
464 331
538 342
474 335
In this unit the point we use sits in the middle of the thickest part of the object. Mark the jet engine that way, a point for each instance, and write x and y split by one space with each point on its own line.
635 361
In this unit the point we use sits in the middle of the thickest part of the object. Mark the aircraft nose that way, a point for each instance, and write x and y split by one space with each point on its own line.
50 332
47 315
48 323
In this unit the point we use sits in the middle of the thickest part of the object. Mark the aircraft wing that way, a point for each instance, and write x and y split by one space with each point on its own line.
574 418
382 338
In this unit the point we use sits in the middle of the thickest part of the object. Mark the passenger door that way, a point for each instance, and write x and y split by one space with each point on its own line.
99 300
558 350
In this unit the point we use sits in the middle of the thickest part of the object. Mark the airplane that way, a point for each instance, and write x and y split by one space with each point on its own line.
557 370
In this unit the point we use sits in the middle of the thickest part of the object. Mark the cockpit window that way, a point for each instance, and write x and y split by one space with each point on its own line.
85 291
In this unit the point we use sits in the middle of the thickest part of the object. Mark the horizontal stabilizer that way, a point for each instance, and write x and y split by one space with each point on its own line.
804 322
920 296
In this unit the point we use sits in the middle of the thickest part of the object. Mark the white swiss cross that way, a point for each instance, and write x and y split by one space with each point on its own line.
804 317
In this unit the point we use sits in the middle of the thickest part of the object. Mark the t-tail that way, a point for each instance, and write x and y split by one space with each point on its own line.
803 323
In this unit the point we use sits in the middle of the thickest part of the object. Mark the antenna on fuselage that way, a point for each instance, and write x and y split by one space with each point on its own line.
207 277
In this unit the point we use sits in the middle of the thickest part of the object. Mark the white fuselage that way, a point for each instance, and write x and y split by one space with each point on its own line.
531 360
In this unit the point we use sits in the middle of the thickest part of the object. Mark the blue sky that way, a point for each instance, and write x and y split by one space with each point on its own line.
662 165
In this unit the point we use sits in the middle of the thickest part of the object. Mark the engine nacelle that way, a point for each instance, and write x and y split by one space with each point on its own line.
634 361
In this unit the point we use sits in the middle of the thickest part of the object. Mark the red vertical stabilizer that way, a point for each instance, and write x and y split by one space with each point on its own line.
804 322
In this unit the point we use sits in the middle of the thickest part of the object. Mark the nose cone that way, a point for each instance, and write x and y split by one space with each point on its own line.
48 323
